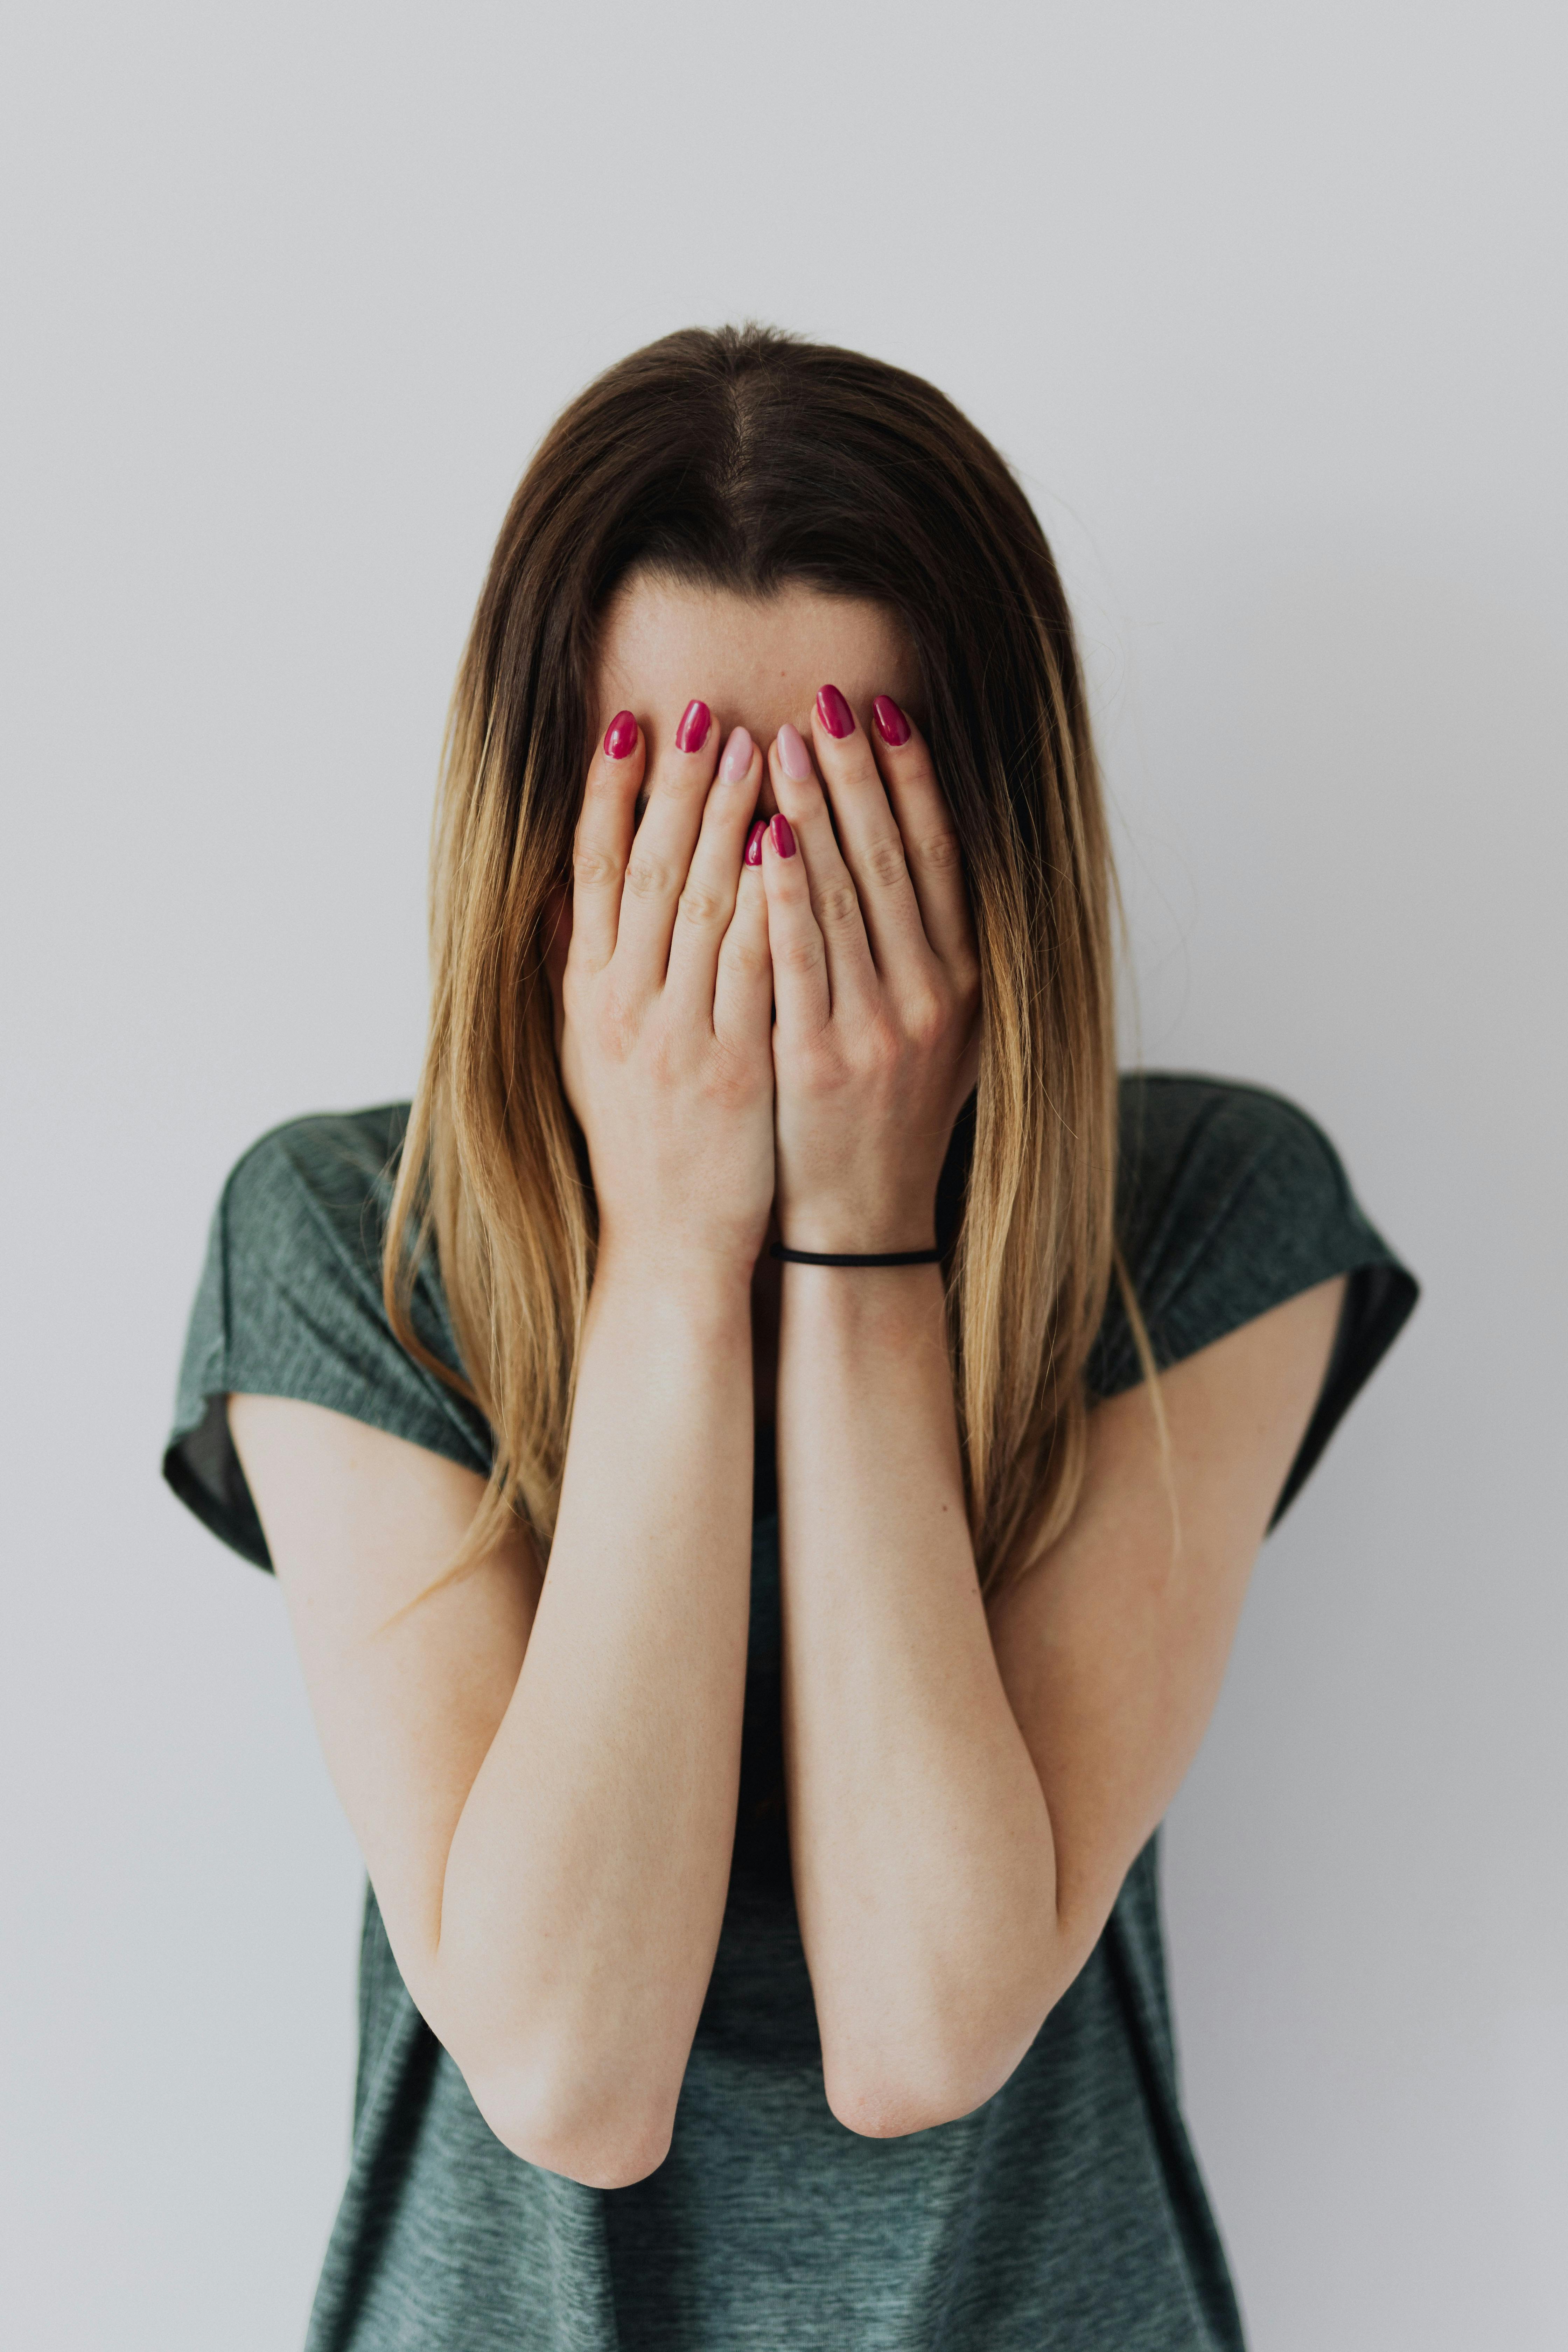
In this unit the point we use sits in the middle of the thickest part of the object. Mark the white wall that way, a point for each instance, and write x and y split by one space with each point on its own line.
1265 304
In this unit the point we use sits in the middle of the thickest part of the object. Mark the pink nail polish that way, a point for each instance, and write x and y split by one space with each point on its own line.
794 757
891 725
737 756
621 736
754 844
835 712
784 834
692 732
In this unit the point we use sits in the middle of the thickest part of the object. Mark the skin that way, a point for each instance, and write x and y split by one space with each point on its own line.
543 1773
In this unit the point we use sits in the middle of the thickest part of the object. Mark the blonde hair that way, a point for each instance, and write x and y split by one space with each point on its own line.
745 459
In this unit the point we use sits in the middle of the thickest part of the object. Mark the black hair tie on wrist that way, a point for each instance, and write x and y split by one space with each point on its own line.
833 1258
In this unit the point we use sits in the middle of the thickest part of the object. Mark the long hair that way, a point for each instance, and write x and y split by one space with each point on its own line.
743 461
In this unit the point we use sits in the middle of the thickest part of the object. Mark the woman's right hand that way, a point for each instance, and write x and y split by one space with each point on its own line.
666 992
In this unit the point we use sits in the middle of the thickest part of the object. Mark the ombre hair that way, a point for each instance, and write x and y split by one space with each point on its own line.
746 460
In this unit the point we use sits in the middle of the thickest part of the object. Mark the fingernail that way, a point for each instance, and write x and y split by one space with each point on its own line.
835 712
891 725
754 844
783 836
737 756
621 736
692 732
794 757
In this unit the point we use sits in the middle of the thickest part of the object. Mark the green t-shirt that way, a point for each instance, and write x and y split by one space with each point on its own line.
1068 2210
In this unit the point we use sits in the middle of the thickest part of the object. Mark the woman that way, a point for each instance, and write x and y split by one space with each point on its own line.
761 1945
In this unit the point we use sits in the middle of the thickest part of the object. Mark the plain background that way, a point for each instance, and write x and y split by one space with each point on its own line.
1264 304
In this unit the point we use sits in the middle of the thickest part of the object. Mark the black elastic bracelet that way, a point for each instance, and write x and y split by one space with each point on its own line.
830 1257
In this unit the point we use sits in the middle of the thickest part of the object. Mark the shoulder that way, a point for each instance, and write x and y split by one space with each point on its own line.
290 1304
1230 1200
299 1230
1185 1138
318 1181
300 1233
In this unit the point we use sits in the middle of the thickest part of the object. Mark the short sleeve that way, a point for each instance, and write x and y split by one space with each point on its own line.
290 1305
1230 1201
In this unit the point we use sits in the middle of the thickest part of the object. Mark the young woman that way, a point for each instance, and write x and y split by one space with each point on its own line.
757 1598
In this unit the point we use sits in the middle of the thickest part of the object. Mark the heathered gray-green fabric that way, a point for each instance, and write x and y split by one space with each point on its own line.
1067 2212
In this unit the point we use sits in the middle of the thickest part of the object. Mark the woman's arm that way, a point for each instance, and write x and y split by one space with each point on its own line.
543 1784
544 1781
966 1797
919 1837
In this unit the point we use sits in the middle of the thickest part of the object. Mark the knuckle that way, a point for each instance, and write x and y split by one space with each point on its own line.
592 870
926 1020
615 1025
647 877
837 905
800 953
816 1065
747 956
689 780
731 1079
939 850
701 906
885 863
666 1054
882 1048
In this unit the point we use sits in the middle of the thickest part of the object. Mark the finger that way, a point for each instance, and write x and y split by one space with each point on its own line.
743 992
662 844
868 835
835 902
603 841
802 991
925 824
707 900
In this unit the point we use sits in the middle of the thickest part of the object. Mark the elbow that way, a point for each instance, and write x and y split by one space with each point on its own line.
603 2143
885 2089
889 2100
880 2109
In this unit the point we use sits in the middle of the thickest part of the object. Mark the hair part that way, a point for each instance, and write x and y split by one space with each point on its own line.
745 460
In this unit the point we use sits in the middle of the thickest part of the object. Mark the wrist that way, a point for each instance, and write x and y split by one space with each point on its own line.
882 1309
709 1285
856 1232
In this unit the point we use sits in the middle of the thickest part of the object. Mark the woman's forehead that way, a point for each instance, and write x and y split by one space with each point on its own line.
755 661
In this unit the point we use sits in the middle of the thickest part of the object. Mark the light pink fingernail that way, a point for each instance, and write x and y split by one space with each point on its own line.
794 757
737 756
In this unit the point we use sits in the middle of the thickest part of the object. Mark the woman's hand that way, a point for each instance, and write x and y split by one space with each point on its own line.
875 981
665 1051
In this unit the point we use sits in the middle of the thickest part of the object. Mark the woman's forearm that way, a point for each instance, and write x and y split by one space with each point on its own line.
922 1847
585 1882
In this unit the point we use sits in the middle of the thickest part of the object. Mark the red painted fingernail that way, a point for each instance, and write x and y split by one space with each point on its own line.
784 834
692 732
621 736
754 844
891 725
835 712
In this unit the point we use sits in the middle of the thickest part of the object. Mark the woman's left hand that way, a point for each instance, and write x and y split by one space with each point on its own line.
876 980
